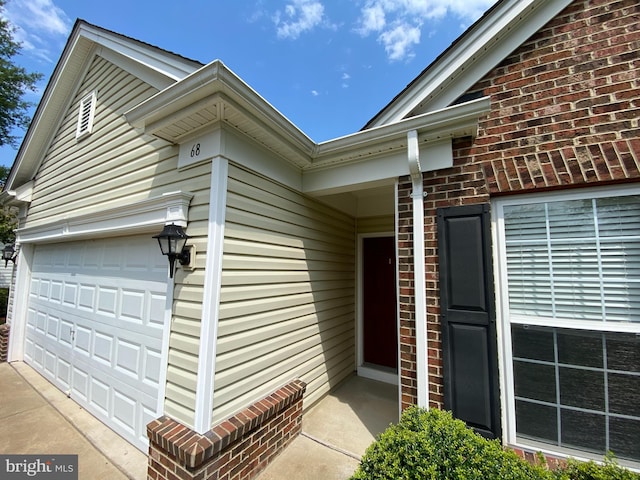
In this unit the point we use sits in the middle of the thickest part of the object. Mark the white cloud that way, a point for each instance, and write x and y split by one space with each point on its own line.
315 93
299 16
398 23
38 23
399 40
373 19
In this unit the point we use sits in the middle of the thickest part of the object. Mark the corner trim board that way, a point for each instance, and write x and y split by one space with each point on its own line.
203 414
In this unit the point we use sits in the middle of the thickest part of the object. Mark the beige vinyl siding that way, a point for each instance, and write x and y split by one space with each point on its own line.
116 166
113 166
287 294
382 223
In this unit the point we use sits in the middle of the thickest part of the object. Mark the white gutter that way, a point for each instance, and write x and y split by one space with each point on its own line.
419 282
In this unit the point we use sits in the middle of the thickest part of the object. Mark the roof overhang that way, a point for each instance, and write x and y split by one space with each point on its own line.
214 96
483 46
156 66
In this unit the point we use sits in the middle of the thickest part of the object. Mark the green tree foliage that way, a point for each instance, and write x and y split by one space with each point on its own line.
15 81
8 215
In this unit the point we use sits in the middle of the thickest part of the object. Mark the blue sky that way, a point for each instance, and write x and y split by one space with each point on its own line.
327 65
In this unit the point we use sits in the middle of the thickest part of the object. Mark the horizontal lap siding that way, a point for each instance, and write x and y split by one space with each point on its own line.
117 166
113 166
184 340
287 294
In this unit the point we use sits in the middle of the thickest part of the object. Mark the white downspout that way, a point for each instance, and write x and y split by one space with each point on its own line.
419 281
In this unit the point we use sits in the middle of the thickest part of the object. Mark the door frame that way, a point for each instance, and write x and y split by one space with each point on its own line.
362 369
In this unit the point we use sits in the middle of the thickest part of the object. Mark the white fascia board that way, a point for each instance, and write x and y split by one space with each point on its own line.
214 78
127 219
173 66
437 125
435 130
493 39
48 115
335 179
156 78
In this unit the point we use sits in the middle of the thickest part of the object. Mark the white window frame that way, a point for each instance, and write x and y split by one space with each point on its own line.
505 354
86 113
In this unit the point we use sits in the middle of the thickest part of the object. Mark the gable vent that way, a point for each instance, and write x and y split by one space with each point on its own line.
85 115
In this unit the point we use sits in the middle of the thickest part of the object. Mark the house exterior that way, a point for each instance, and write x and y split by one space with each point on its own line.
477 243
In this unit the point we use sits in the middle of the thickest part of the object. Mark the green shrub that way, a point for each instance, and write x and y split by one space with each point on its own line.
432 445
609 470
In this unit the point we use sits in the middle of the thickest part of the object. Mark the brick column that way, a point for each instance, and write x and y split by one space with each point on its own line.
4 342
236 449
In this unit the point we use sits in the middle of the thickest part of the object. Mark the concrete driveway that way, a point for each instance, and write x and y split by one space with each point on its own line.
38 419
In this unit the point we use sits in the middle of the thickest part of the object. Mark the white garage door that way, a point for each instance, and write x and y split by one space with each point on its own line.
95 325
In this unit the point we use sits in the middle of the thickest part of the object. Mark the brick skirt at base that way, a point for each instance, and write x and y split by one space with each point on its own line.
236 449
535 458
4 342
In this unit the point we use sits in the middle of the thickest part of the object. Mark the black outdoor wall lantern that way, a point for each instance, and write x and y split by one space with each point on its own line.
172 242
8 254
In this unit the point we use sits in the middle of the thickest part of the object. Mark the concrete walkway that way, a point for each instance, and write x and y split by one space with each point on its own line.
37 418
336 432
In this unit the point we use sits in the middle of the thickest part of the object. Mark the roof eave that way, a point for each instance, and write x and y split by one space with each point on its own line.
215 78
80 46
451 122
483 46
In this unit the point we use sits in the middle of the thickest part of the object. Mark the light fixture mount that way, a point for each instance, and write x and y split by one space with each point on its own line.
172 241
9 254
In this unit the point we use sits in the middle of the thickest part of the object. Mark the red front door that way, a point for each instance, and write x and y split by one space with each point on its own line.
380 337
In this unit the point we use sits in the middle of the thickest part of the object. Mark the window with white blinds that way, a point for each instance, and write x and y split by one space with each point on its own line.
570 293
577 259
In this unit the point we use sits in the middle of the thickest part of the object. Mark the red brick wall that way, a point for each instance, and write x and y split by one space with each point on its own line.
236 449
565 109
4 342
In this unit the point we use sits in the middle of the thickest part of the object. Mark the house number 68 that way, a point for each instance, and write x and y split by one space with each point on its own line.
195 150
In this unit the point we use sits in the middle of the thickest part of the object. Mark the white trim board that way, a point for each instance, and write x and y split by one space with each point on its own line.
124 220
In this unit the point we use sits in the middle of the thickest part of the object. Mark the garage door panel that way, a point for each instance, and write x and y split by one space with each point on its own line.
38 356
107 301
133 303
124 410
69 294
80 380
63 373
95 326
103 348
151 367
157 309
43 289
50 360
128 358
53 323
100 395
65 338
86 297
83 340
